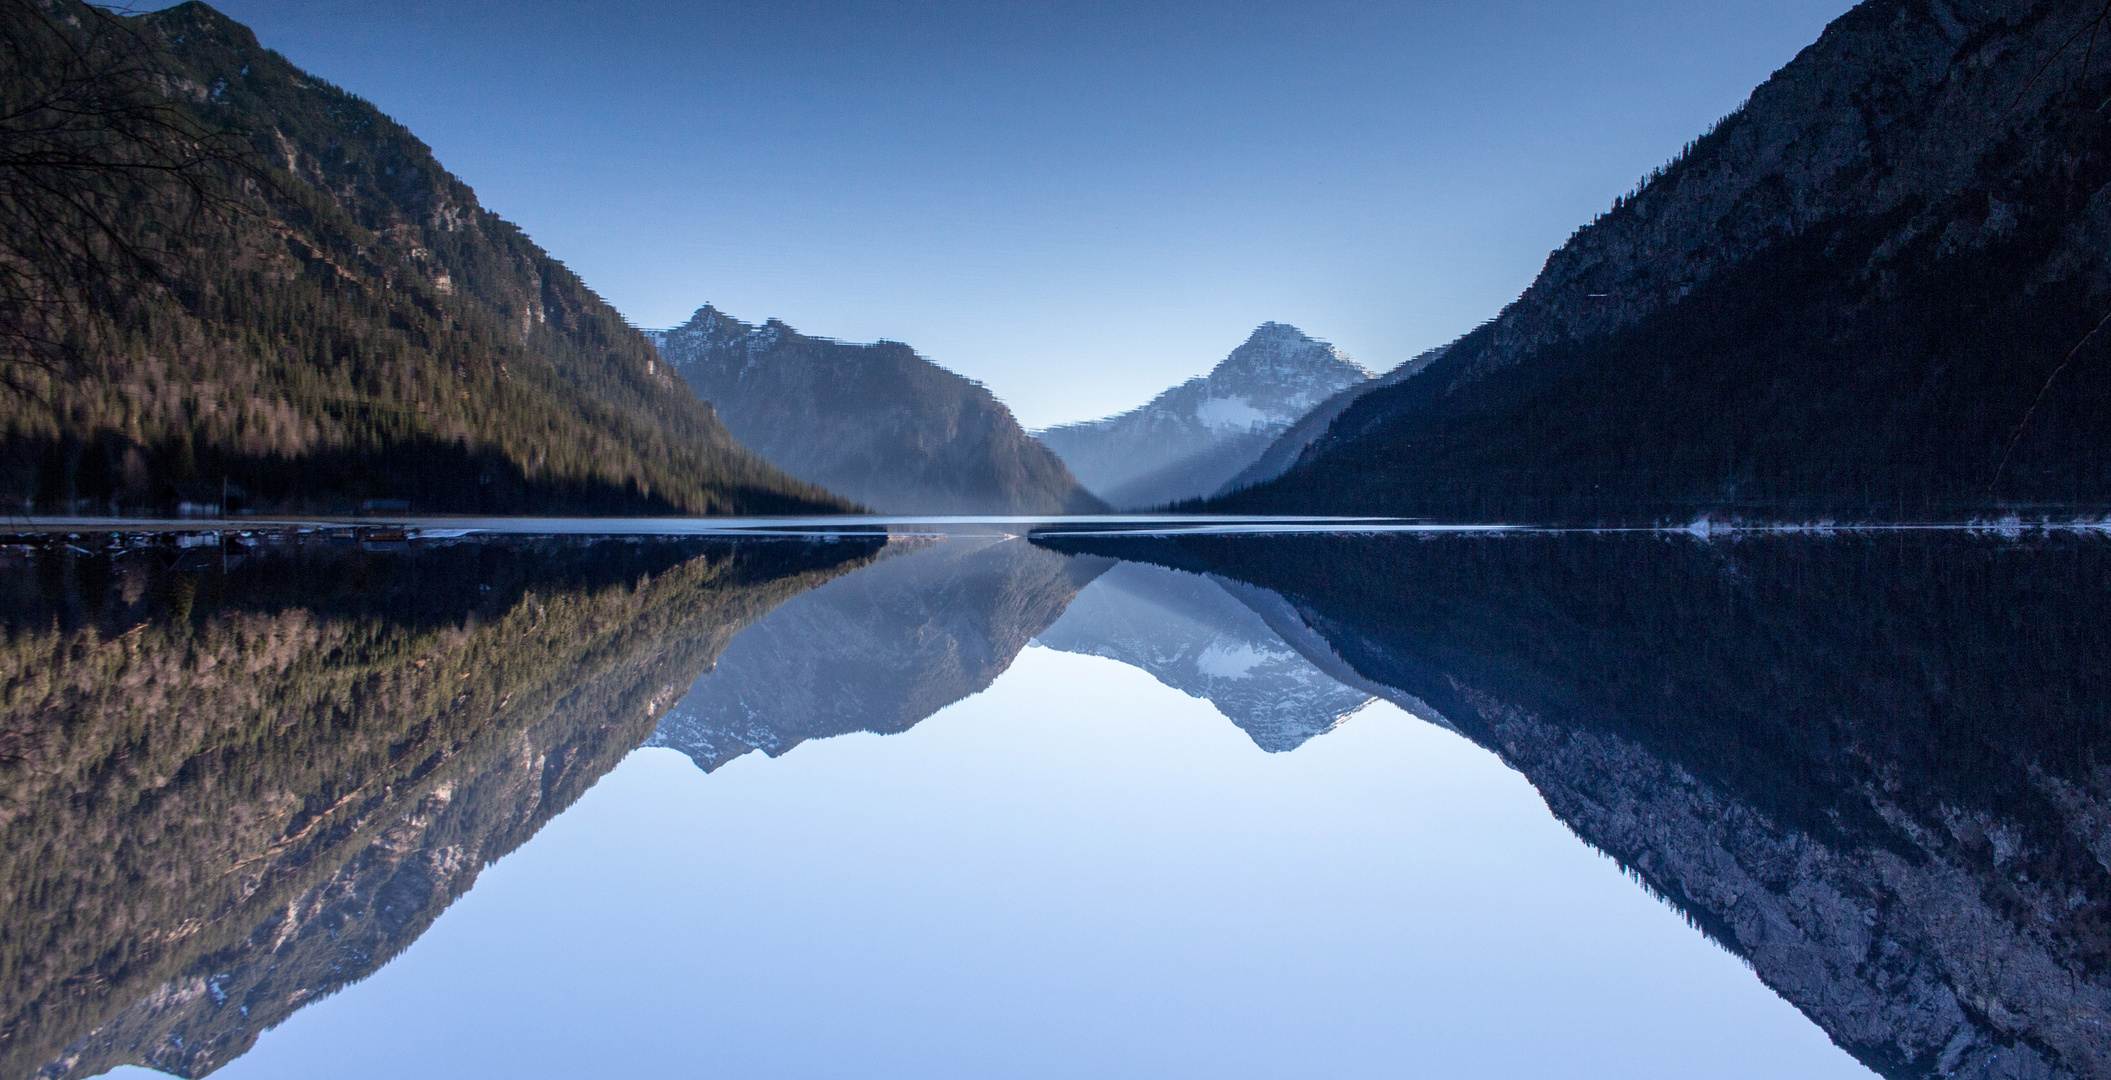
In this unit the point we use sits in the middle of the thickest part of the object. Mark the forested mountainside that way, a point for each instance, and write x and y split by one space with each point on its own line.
308 755
1192 438
1845 300
1874 768
309 311
876 423
878 650
1289 445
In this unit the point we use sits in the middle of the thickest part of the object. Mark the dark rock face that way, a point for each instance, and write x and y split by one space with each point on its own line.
876 423
1842 301
311 754
1190 440
1877 769
1196 635
878 650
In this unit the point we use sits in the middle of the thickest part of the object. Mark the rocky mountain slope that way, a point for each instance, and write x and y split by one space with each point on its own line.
1193 438
876 423
1871 291
320 313
1289 446
1878 769
1195 635
308 755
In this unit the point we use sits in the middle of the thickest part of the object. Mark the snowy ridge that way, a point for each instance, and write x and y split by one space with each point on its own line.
1190 439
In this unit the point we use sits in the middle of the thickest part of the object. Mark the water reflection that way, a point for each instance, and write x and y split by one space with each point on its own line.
1195 634
238 775
932 622
235 777
1877 768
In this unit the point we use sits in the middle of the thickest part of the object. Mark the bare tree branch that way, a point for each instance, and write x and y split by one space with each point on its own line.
105 180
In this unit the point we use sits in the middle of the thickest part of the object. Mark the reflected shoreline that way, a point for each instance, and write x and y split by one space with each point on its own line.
1874 764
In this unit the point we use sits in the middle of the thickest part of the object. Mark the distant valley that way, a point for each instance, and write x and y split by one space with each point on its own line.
1189 441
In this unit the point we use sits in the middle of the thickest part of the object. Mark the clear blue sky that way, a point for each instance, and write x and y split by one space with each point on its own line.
1077 203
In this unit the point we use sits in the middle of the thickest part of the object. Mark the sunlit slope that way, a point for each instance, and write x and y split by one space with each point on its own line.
352 325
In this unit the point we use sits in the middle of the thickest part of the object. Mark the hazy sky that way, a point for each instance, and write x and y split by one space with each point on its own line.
1078 204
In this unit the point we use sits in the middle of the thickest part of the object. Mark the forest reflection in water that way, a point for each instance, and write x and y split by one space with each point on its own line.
237 779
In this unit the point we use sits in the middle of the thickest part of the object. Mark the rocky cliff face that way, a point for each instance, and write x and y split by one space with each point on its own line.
878 650
1843 299
1195 635
1876 769
876 423
1188 441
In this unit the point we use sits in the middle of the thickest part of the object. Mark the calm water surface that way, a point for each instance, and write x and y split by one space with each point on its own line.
969 804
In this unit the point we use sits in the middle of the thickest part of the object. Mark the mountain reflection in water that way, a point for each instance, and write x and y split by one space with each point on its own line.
236 779
1877 768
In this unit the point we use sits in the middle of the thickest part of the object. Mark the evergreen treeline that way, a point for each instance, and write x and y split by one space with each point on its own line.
305 311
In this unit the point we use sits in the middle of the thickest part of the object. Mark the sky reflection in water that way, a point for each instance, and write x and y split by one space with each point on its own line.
1078 872
970 805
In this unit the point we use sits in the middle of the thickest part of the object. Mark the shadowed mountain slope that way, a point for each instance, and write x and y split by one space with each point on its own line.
340 321
877 423
1844 300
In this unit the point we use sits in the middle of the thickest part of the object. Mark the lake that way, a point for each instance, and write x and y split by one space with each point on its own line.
1018 798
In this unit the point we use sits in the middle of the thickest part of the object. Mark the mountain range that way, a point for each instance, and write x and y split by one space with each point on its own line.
1878 289
877 423
1874 291
1191 439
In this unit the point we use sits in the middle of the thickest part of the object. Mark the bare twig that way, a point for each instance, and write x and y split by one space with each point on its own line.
2090 28
2017 435
105 180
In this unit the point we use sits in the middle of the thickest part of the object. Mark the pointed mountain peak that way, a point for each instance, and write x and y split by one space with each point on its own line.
1272 331
710 321
1279 351
712 328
